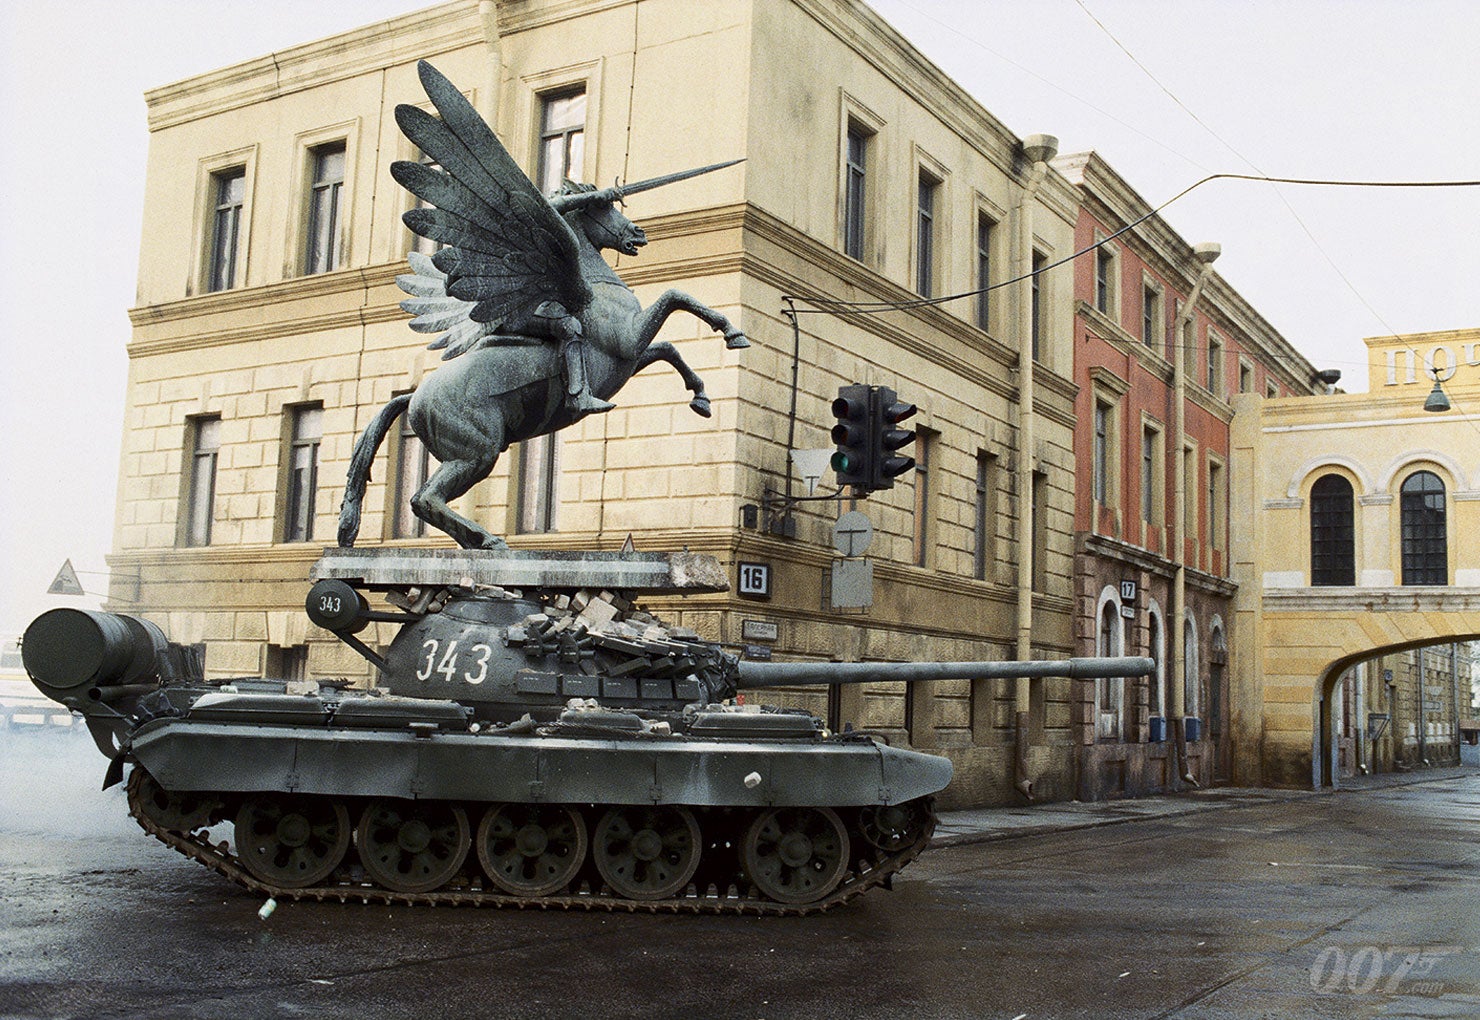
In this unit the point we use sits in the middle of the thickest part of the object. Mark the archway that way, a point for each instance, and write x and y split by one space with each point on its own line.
1416 714
1299 643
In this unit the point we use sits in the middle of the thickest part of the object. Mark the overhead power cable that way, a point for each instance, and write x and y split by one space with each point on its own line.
825 304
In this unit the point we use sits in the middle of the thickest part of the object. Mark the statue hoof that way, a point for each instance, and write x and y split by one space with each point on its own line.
587 404
700 406
734 340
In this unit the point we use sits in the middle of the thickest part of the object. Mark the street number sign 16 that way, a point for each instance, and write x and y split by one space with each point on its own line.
755 580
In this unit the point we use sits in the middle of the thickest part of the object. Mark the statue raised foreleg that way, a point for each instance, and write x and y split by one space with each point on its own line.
647 322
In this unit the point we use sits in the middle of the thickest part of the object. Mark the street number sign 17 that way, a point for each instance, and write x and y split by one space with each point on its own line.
755 580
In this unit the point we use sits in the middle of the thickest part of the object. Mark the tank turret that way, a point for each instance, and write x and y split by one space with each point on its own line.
505 656
552 745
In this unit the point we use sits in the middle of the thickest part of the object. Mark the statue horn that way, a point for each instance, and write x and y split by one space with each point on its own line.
682 175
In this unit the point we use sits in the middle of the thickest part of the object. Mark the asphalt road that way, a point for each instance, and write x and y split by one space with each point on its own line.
1346 905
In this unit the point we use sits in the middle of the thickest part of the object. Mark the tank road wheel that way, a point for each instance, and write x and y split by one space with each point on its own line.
795 854
531 849
412 846
647 853
177 812
892 827
289 841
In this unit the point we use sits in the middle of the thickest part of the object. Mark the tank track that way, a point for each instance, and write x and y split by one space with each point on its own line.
346 888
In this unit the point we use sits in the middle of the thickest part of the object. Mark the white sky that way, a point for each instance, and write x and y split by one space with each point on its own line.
1381 89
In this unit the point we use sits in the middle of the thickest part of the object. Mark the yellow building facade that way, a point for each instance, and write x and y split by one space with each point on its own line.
267 333
1350 538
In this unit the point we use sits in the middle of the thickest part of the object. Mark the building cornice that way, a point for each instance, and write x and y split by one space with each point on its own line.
862 283
1136 556
1125 343
1111 200
400 40
855 25
1411 599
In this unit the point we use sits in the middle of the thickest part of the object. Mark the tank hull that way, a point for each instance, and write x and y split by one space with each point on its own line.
736 790
185 755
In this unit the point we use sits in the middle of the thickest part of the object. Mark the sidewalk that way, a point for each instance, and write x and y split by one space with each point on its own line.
981 825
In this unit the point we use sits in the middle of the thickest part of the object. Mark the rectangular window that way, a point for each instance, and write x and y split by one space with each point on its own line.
854 194
325 202
924 533
1215 365
1189 498
1245 377
562 139
1150 316
1216 499
1271 390
200 506
412 466
985 525
1101 471
1039 552
984 227
1151 475
925 235
303 471
539 474
1104 276
230 188
1036 325
1172 336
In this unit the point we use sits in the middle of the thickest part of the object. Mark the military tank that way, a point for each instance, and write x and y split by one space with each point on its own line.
561 749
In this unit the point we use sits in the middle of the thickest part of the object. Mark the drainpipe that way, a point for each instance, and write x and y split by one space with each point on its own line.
1454 675
1423 707
488 16
1205 254
1039 149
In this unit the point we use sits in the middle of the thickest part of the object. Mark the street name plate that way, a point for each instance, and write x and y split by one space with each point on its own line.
759 630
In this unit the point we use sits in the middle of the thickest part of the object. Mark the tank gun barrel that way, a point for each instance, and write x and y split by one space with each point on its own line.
756 675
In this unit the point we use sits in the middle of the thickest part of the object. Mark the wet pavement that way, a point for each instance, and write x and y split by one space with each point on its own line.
1221 903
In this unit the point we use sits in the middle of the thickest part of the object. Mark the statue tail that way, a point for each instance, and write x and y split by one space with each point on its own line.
359 467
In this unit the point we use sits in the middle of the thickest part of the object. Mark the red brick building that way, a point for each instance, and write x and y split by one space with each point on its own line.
1157 358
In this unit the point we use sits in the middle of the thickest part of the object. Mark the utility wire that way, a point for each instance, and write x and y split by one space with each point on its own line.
824 304
1391 332
1030 72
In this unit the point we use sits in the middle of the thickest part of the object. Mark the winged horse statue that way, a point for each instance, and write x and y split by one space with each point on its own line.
537 329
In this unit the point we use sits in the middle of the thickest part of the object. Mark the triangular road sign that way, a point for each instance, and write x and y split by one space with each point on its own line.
66 582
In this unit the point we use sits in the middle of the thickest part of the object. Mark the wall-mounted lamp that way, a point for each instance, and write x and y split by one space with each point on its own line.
1436 401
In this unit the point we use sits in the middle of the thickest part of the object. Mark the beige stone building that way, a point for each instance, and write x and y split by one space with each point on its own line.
267 333
1352 514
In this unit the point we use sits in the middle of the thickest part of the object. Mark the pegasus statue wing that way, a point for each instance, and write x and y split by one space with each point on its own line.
509 254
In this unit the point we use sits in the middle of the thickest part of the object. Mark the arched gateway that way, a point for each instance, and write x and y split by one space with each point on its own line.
1311 638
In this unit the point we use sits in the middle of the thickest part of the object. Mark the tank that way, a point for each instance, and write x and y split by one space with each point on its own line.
557 749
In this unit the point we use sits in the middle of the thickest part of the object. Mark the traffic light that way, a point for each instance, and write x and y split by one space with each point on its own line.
888 437
853 460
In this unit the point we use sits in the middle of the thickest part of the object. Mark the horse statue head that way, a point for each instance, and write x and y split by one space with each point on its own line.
593 212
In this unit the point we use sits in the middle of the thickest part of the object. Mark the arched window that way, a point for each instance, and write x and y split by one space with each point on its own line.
1425 544
1333 532
1109 691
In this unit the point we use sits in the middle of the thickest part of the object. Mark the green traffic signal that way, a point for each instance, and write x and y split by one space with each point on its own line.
853 461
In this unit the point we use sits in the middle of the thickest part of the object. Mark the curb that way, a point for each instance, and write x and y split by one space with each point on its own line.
1217 798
